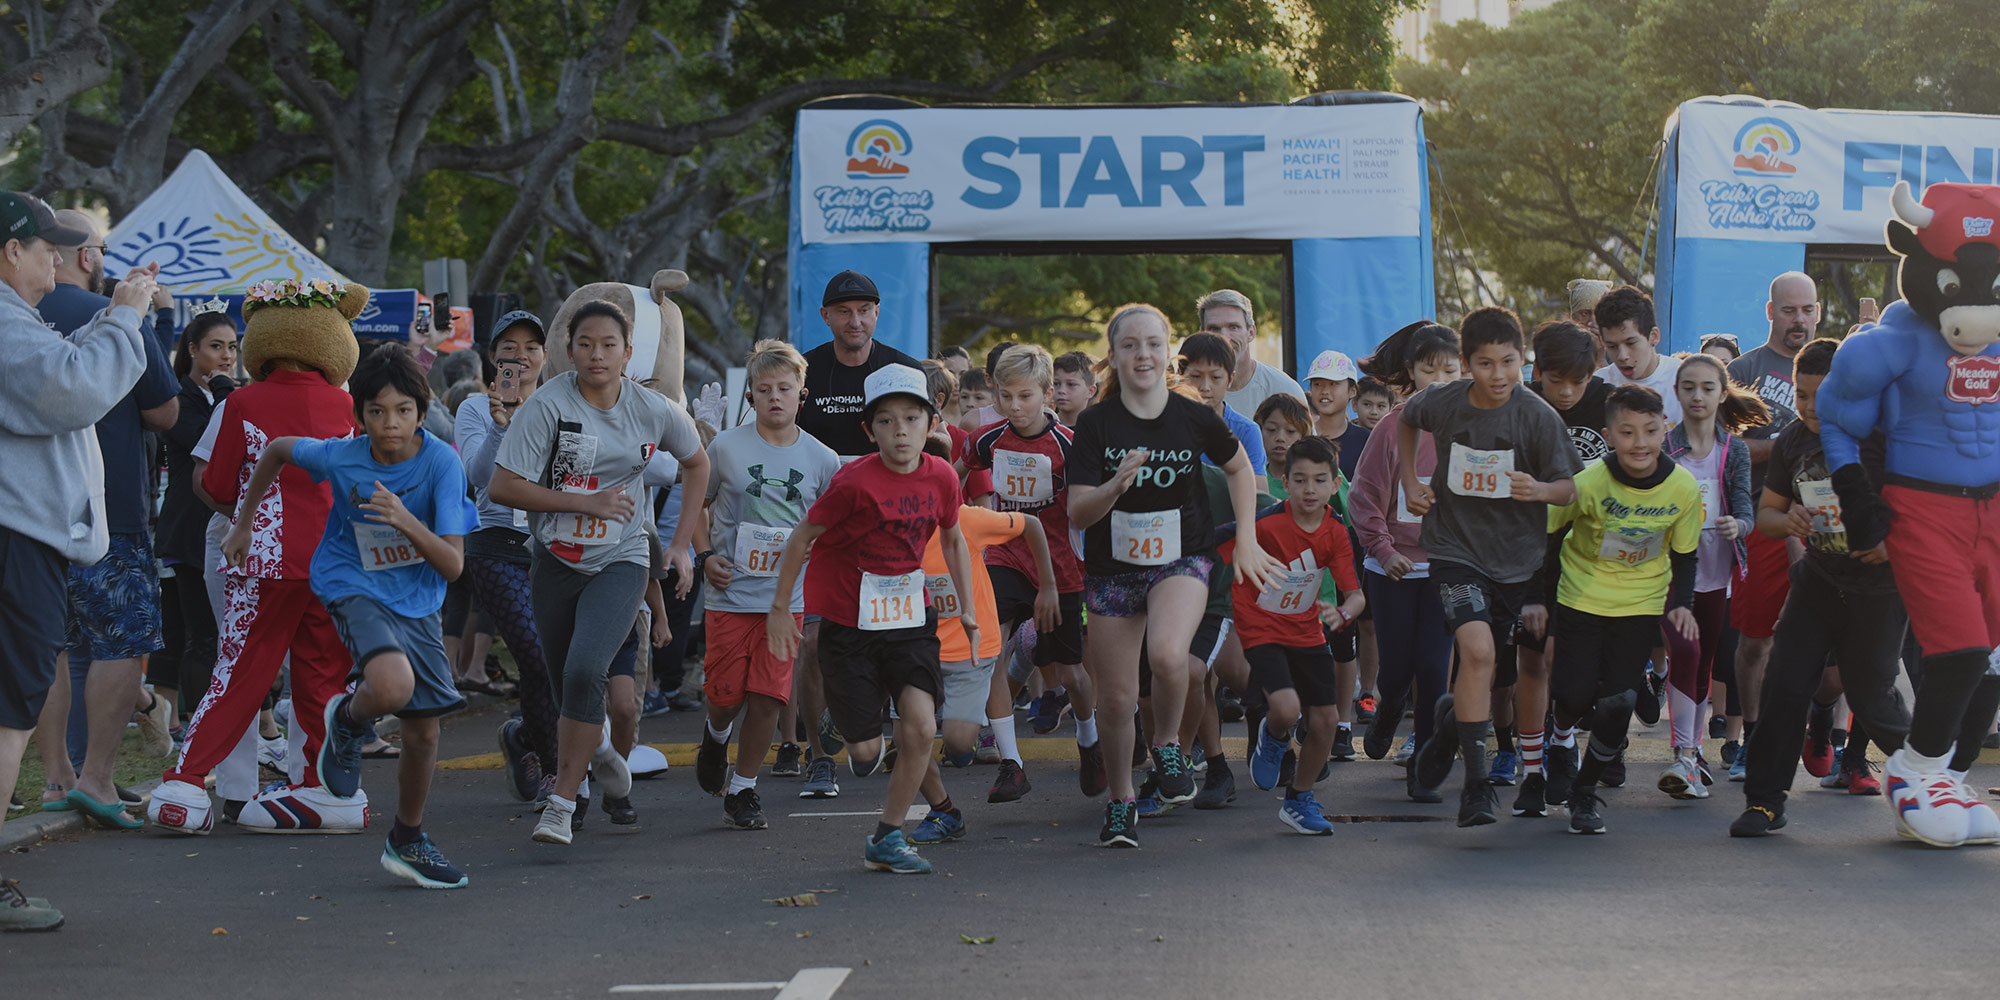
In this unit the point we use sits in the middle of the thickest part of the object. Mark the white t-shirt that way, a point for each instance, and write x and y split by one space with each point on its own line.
1264 383
206 446
1662 381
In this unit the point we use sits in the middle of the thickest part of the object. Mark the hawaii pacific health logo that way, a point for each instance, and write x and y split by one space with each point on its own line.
1764 146
875 150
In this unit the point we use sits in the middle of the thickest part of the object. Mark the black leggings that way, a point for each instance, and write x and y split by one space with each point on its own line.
670 660
501 587
1414 646
188 638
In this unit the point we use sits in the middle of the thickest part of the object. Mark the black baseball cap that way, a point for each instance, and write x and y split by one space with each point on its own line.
848 286
519 317
24 217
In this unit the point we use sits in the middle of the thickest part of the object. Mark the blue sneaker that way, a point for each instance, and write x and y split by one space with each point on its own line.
1149 806
420 862
938 828
340 753
1268 759
894 854
1739 768
656 705
1303 814
1049 713
1506 767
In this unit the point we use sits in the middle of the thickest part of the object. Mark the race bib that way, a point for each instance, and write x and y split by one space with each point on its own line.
581 529
1292 591
1824 504
1403 513
890 602
944 596
1146 538
1631 548
1711 502
383 547
1023 477
1479 473
758 549
520 520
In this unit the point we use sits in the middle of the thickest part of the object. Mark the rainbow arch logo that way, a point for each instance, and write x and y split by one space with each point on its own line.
1764 147
875 150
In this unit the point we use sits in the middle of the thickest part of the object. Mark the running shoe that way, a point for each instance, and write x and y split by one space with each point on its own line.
937 828
1478 805
1650 693
987 751
1740 767
1928 805
155 738
711 763
1198 760
1864 783
1288 768
962 760
1091 778
521 765
1417 792
1407 752
689 702
1560 763
1379 736
786 765
1506 767
1364 709
1218 787
1839 761
1681 781
340 753
304 809
743 811
420 862
1586 811
609 772
1433 761
1010 784
1730 748
1304 815
1758 821
1982 825
555 825
1267 759
1343 744
1530 803
20 912
1149 804
1718 726
822 780
1839 778
894 854
1614 771
14 804
887 761
1121 822
1050 713
1817 755
1024 702
620 810
829 734
656 705
548 788
181 807
582 810
1228 705
1176 781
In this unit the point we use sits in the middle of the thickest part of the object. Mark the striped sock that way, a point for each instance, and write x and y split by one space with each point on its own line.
1531 748
1563 737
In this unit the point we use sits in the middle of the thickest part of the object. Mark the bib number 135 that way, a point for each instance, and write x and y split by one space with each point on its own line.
583 528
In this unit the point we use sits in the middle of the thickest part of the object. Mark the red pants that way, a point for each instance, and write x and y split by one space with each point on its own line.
262 621
1946 555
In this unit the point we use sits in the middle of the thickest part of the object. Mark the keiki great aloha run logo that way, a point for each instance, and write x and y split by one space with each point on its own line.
1764 148
876 151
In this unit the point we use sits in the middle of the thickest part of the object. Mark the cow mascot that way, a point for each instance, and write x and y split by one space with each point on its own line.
1928 377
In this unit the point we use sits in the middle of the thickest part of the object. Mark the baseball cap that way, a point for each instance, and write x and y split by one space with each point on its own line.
1584 293
894 380
848 286
504 323
1333 366
24 217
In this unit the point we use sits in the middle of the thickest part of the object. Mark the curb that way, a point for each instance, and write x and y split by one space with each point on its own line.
34 829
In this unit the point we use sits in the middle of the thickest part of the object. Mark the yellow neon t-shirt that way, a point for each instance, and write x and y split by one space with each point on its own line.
1615 560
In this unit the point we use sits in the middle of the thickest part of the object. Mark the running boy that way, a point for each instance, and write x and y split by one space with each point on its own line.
1330 383
394 538
1633 527
878 637
1373 401
1631 342
1502 457
767 475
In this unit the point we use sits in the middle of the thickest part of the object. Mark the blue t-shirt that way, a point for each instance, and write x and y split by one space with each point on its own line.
1351 443
119 434
360 557
1247 434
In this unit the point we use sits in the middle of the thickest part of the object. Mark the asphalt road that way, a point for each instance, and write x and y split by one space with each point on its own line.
1215 904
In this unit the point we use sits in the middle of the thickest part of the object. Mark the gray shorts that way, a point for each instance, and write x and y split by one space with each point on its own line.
966 685
369 629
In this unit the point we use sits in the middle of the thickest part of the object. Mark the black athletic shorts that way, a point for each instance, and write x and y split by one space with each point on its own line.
1208 639
865 670
1014 601
1308 671
1599 656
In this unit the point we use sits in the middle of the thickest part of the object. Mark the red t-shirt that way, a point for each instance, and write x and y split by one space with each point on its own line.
1031 475
1293 618
876 521
978 482
287 524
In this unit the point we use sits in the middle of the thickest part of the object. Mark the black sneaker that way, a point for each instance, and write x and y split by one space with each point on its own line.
1530 803
1586 811
1614 772
1091 779
1380 736
1650 693
787 763
1730 748
1478 805
1218 787
582 810
1139 748
1343 744
1419 793
1758 821
711 763
1718 727
1228 706
1288 768
1561 765
1176 780
1364 709
620 811
1432 764
743 811
1121 823
1010 784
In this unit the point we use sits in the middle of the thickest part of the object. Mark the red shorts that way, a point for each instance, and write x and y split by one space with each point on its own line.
739 660
1945 552
1754 607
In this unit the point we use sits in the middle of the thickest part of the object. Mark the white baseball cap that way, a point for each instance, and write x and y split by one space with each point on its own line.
1334 367
894 380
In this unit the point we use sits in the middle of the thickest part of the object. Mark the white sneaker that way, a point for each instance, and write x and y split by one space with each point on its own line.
1682 780
286 809
553 827
271 754
1925 800
180 807
614 776
1982 824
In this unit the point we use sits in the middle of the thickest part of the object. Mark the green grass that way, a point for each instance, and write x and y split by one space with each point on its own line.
132 769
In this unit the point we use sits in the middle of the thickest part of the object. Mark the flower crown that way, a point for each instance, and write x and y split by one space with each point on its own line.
294 293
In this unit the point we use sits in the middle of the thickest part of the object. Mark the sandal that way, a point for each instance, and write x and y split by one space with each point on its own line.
111 815
387 751
56 804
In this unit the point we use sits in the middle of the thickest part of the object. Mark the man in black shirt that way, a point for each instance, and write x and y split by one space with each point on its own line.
836 369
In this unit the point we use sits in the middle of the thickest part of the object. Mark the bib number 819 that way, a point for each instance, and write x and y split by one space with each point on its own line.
1482 482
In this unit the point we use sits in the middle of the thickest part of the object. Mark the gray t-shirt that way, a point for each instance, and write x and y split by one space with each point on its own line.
1473 522
1768 374
1264 383
559 440
758 494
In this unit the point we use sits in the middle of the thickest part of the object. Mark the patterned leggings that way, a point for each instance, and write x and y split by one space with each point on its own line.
500 589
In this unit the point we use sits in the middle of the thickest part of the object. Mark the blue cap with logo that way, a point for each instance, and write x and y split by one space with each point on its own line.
24 217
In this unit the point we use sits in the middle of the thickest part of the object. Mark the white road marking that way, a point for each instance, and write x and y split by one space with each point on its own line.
916 812
698 987
808 984
814 984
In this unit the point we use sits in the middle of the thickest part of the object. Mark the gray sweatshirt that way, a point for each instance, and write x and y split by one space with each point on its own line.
53 390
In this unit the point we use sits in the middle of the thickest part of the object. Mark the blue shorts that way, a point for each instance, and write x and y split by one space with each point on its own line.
31 602
114 603
369 630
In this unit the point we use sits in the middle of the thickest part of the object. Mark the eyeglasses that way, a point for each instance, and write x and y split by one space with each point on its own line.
99 247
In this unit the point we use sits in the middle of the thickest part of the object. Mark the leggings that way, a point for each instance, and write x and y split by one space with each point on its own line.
188 626
670 660
582 619
1691 665
501 588
1414 647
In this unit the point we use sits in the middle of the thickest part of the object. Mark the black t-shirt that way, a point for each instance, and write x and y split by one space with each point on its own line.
1170 482
1768 374
1797 469
831 412
1585 420
1351 442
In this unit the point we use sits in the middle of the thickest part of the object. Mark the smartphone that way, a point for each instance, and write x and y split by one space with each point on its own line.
423 318
507 384
1869 311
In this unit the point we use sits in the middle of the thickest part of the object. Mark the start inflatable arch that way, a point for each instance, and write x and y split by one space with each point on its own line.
1335 183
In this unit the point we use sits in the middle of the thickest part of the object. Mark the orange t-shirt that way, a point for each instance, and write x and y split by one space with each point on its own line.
982 528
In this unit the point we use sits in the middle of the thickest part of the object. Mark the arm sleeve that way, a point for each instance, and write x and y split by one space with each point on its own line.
1849 400
221 480
1561 516
525 451
1340 561
158 384
1417 407
947 488
453 513
1737 472
1680 592
835 505
61 384
1211 433
477 439
718 456
1373 492
311 455
205 446
681 439
188 426
1253 445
